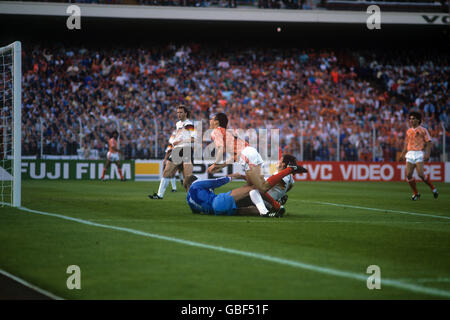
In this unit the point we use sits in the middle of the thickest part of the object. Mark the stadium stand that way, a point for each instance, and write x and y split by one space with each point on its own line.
385 5
388 5
319 91
264 4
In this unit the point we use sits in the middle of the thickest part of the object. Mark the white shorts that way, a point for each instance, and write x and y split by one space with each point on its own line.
414 156
113 157
249 157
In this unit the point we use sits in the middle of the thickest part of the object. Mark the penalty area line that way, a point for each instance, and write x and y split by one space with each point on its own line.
286 262
377 209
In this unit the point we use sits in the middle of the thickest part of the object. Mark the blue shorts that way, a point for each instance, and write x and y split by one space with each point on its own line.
224 204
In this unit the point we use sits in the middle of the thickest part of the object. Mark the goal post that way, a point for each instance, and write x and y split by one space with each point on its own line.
11 123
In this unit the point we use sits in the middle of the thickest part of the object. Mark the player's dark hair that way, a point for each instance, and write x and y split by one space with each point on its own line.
289 159
223 119
114 132
182 106
189 180
416 115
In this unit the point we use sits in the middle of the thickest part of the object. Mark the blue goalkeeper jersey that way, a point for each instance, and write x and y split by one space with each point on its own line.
201 194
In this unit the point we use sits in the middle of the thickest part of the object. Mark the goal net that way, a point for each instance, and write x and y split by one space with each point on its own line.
10 124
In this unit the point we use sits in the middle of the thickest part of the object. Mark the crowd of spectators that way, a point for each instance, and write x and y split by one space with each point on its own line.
271 4
389 5
76 96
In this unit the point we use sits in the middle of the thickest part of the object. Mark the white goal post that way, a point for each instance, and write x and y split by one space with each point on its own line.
11 123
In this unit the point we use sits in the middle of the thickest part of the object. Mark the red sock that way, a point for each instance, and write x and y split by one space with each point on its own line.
276 178
103 174
275 204
120 173
412 183
428 182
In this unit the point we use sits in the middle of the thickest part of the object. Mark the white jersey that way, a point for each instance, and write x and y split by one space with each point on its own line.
185 131
279 192
171 140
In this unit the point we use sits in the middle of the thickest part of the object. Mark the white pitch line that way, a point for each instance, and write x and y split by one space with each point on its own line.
424 280
29 285
379 210
291 263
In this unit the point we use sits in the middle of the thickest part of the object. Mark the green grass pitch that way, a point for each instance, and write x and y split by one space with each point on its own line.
317 251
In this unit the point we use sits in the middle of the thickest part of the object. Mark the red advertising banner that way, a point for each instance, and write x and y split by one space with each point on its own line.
365 171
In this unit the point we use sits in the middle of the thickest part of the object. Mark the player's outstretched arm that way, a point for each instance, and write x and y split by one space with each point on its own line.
212 183
217 165
237 175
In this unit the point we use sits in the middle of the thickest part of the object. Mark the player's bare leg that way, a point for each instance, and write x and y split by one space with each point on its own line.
412 182
241 193
181 174
169 171
421 174
187 169
119 168
173 180
254 177
260 209
108 163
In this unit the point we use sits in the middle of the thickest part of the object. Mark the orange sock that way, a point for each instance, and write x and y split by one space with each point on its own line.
276 178
428 182
275 204
120 173
103 174
412 183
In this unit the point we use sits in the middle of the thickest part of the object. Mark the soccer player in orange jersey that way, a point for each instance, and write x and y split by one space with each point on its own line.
417 150
113 155
249 158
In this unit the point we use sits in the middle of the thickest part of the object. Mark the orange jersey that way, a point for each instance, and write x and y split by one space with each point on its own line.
224 138
416 138
112 145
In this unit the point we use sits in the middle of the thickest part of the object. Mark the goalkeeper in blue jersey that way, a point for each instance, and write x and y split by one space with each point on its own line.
202 199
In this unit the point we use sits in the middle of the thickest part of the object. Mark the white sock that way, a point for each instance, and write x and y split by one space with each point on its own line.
162 186
258 201
174 183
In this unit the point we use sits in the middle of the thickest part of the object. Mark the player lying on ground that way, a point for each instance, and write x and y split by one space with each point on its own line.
202 199
416 151
253 203
248 157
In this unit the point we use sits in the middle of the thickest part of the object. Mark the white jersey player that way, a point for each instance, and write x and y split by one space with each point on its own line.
176 158
168 151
